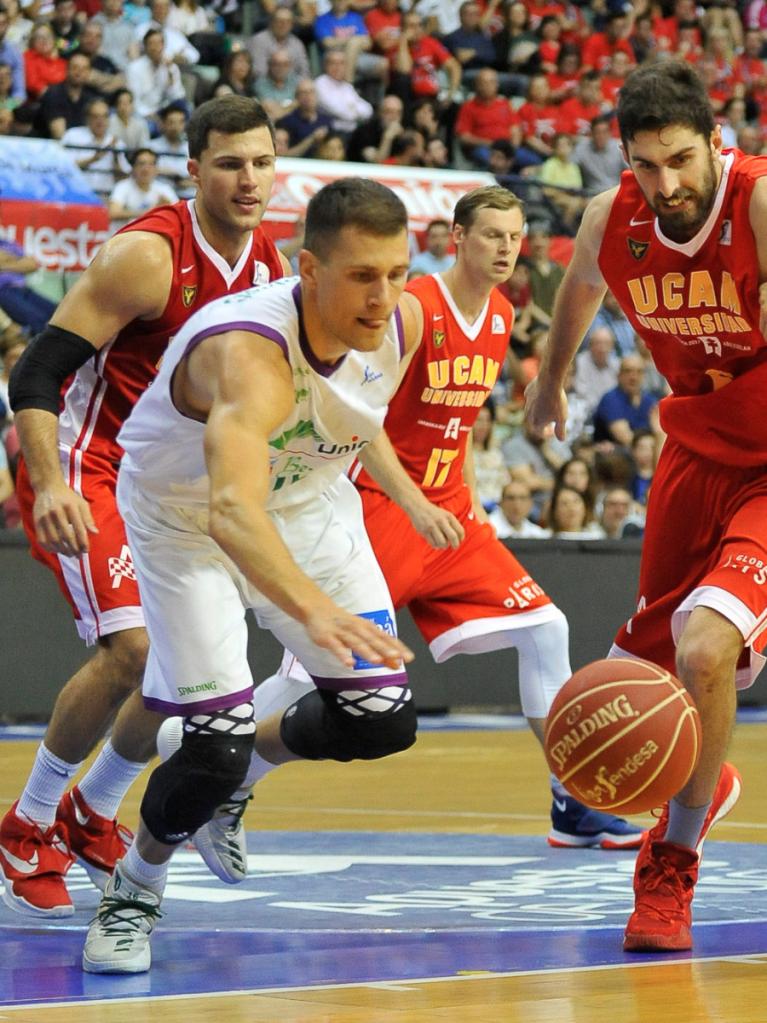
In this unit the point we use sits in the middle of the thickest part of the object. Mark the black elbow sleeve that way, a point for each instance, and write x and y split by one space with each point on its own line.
45 364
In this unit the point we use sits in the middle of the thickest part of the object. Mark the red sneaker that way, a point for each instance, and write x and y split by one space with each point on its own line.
726 795
665 876
663 890
96 842
33 863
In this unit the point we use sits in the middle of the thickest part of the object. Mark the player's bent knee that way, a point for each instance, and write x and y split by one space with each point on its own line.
183 792
348 726
127 654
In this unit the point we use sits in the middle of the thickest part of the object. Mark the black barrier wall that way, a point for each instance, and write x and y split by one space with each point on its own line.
593 582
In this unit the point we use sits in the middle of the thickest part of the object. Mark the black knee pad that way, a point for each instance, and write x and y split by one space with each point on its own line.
183 793
317 728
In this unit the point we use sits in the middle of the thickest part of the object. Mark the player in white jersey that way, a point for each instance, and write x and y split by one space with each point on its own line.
233 478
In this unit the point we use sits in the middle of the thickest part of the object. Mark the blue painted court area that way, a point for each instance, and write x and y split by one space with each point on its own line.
345 907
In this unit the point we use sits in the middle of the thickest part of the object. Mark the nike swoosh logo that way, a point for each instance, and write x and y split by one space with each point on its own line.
23 866
636 223
435 317
186 269
82 818
560 806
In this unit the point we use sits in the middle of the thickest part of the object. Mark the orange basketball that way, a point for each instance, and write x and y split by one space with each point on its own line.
623 735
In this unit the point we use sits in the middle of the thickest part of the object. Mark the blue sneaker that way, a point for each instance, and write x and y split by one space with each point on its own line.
575 826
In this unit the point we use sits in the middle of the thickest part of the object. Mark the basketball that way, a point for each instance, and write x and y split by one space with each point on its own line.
622 735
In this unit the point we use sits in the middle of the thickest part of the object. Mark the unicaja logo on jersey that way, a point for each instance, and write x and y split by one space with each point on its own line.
341 449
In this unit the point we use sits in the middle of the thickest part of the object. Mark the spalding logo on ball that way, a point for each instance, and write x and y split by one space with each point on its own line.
623 735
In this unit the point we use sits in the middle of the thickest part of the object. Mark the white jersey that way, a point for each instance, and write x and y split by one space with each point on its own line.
338 409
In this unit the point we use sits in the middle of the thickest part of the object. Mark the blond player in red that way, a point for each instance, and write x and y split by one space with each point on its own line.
111 332
682 244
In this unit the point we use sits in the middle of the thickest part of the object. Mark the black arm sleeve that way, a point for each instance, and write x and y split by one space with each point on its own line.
44 366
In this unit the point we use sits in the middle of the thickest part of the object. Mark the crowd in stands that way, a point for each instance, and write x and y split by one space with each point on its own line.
525 89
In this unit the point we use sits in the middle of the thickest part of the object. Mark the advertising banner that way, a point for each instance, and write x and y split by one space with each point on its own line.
47 206
427 194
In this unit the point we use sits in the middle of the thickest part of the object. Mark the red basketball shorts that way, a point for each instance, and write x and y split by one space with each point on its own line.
101 585
705 545
462 600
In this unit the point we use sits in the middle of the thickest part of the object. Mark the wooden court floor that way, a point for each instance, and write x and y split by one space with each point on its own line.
453 782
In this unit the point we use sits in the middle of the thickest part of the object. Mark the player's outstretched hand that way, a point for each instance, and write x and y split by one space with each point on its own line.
437 526
345 634
545 405
63 521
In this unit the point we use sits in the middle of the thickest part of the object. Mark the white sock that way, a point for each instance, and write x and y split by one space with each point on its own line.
109 778
685 823
143 874
45 786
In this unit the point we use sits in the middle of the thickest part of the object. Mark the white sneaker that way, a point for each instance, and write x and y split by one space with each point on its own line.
118 937
222 842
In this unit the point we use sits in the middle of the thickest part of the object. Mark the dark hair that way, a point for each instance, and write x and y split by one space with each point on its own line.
588 511
590 493
351 202
494 197
503 146
152 32
655 96
230 115
138 152
405 140
601 119
93 103
176 107
439 222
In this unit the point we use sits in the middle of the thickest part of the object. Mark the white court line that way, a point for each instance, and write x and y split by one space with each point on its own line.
464 814
390 985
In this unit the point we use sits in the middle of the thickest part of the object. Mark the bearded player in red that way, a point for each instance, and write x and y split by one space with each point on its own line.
109 334
682 244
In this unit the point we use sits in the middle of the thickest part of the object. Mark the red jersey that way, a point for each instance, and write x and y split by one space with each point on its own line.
444 387
575 117
598 50
538 121
485 119
696 306
106 388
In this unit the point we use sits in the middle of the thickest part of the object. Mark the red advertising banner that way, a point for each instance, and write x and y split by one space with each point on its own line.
60 236
427 194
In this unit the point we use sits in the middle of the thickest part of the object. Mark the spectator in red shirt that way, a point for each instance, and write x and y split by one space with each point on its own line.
550 46
384 23
688 42
751 70
576 114
719 49
539 117
666 30
643 42
485 118
599 47
42 64
563 83
419 59
540 9
614 77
